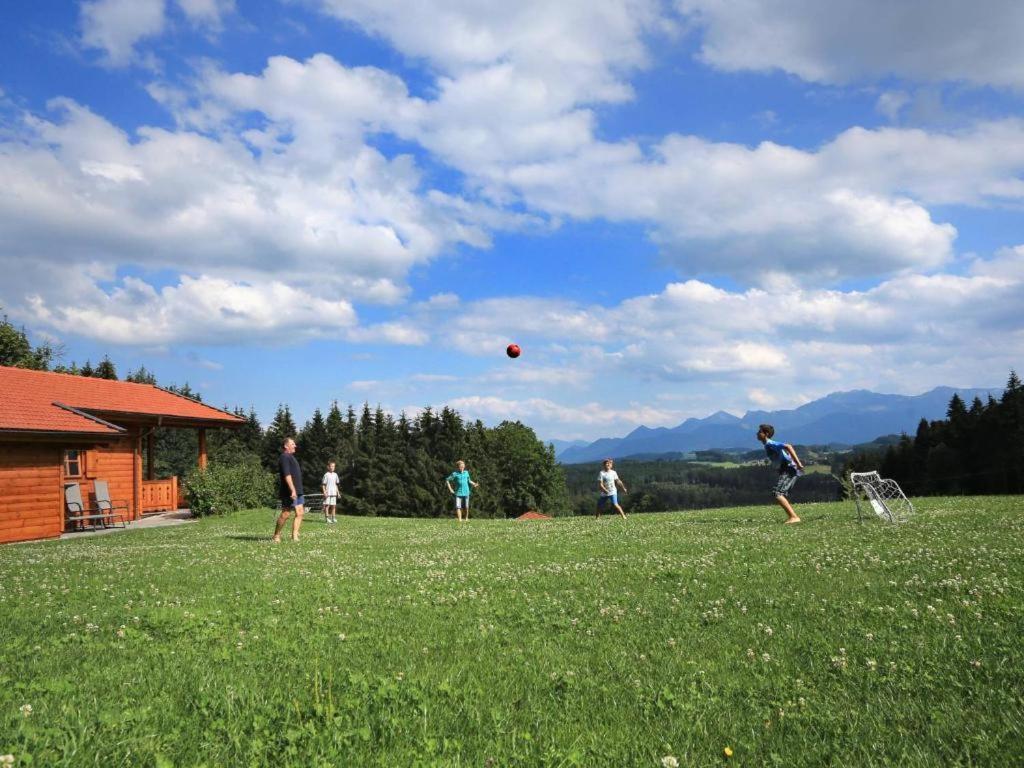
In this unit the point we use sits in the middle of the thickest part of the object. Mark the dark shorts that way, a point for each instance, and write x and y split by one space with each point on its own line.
287 503
604 501
787 479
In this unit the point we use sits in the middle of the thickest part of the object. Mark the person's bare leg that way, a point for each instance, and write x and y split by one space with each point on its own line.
297 522
620 511
281 520
791 516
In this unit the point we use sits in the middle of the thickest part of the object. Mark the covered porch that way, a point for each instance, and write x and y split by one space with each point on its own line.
151 494
167 493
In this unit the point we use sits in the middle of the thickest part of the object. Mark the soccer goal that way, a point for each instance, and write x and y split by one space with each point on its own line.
884 497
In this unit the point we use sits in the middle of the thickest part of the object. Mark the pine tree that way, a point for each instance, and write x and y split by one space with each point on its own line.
313 451
957 411
335 426
364 473
922 445
86 370
240 445
1011 425
177 452
251 434
16 350
185 391
281 427
141 376
106 369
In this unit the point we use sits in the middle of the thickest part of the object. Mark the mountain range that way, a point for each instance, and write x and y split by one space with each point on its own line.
841 418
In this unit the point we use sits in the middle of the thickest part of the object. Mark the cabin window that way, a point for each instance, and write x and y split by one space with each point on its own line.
74 463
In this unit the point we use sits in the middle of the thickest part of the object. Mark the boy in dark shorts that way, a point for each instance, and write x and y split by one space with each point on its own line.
790 468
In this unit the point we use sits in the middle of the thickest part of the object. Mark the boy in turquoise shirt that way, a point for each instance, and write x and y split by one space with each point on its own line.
462 490
790 468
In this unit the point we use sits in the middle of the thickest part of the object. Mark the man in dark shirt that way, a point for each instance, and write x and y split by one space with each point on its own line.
289 490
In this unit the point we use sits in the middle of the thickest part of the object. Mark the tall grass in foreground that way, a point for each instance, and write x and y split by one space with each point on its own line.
574 642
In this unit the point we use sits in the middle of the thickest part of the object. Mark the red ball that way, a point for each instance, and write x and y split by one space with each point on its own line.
513 350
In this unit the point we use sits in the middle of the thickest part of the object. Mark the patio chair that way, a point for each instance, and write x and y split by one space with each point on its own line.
77 513
113 510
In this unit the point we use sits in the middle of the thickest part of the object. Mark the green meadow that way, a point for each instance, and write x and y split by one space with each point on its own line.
712 638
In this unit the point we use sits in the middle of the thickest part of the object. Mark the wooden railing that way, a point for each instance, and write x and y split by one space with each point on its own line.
159 494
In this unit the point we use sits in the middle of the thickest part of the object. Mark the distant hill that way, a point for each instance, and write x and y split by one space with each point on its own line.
563 445
848 418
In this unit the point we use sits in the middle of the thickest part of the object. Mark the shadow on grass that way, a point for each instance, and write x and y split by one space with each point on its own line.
247 537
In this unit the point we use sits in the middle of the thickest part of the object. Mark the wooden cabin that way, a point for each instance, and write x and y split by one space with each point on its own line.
57 428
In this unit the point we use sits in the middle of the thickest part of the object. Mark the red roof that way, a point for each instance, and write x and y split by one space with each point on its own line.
37 401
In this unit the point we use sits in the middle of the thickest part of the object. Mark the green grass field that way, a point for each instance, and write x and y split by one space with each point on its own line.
573 642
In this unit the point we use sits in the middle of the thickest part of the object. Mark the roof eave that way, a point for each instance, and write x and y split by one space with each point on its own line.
29 432
168 420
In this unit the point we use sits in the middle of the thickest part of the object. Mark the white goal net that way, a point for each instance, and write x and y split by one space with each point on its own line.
884 497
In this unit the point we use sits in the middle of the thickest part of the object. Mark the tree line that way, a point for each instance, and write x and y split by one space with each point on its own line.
975 450
392 466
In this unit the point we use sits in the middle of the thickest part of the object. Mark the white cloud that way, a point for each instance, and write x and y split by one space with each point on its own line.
201 310
891 103
586 40
365 385
208 14
399 333
694 332
520 375
273 177
431 378
516 116
847 40
78 189
115 26
761 398
856 206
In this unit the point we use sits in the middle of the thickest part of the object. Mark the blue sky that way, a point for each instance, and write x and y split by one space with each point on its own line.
673 207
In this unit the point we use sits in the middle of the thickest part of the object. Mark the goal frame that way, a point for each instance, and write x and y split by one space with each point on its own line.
882 496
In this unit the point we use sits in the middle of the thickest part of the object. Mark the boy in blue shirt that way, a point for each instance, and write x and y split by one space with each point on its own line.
461 492
790 468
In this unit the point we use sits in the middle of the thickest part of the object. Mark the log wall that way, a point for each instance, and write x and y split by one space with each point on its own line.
31 494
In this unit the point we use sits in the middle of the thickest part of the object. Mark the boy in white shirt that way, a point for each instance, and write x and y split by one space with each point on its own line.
329 488
607 480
